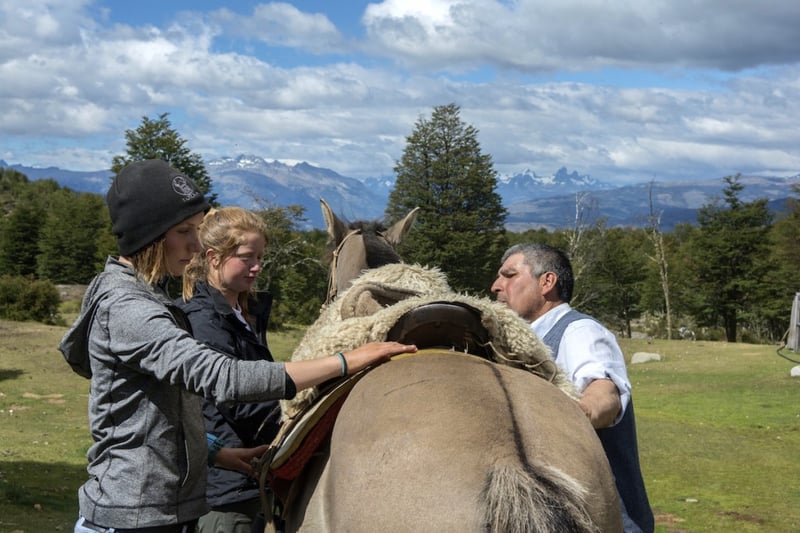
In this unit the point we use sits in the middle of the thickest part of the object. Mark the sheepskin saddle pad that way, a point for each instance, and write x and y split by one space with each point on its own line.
373 306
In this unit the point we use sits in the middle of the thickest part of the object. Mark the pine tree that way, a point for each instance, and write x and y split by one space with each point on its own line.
618 277
459 227
27 205
780 264
19 238
725 255
66 251
156 139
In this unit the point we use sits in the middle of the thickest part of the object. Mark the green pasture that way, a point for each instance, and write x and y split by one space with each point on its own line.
719 433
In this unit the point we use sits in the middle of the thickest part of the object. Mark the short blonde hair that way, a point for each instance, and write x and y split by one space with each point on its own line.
223 231
151 262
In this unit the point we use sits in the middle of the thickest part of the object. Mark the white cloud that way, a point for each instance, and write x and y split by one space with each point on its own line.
71 80
541 35
282 24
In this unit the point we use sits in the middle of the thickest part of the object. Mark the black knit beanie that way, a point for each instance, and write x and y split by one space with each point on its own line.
146 199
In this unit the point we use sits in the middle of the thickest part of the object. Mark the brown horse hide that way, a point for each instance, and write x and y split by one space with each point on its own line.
450 442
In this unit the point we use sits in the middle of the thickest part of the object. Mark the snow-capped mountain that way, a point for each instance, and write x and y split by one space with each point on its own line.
252 181
527 185
532 201
676 202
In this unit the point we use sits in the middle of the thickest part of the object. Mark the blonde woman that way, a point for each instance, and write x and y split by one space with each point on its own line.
227 314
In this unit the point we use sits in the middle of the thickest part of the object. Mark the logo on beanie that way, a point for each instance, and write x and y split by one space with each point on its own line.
183 187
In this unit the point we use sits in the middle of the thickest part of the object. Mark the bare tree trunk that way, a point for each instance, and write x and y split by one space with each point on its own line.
660 258
576 236
583 245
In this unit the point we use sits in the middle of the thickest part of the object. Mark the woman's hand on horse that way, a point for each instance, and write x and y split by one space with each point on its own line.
313 372
374 353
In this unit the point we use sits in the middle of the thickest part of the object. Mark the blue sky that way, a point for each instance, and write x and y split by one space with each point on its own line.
622 91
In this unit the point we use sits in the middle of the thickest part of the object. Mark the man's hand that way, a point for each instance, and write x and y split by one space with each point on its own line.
601 403
239 458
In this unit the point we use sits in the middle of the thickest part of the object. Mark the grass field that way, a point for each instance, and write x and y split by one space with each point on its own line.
719 433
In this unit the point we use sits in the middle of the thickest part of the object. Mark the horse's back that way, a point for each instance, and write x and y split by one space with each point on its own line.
449 442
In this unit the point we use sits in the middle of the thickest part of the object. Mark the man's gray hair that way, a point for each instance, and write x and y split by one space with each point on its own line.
542 258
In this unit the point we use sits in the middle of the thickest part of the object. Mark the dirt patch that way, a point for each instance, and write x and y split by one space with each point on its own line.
671 522
70 293
56 399
742 517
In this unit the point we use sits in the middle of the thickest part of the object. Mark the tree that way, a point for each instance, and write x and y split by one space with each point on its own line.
106 241
617 278
28 204
12 183
156 139
292 269
302 286
51 232
780 266
584 245
19 238
724 256
460 225
659 257
67 250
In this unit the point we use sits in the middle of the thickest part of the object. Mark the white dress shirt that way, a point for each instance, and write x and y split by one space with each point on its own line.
588 351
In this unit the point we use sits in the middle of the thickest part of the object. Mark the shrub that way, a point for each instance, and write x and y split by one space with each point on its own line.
24 298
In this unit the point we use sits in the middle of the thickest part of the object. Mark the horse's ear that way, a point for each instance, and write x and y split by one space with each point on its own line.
336 228
400 229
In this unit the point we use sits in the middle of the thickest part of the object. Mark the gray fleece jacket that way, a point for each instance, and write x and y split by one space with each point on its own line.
147 466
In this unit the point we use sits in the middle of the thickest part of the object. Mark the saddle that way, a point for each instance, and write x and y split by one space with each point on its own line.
450 325
445 325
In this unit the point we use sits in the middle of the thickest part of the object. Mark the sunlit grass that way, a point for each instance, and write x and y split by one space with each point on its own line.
718 423
282 343
718 428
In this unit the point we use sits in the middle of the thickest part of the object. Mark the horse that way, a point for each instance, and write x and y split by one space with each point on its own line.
445 439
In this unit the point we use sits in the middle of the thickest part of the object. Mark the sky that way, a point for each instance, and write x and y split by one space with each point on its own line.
625 92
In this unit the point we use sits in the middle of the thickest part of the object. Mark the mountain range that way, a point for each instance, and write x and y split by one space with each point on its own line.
532 201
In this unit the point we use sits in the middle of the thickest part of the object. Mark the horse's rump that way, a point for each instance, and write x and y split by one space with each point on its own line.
427 441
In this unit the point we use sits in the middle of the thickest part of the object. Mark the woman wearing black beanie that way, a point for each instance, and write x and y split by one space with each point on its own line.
147 466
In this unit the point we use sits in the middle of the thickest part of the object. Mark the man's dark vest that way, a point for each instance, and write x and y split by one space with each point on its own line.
620 445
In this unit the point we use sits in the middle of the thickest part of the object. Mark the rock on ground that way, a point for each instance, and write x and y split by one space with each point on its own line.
644 357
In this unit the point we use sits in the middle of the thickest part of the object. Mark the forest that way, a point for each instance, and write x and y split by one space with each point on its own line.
731 276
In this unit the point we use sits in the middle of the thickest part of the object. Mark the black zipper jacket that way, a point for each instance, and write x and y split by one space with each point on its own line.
215 324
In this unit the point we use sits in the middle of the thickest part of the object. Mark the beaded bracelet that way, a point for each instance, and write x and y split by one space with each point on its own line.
340 355
215 444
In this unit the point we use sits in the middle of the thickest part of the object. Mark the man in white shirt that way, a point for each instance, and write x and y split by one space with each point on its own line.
536 281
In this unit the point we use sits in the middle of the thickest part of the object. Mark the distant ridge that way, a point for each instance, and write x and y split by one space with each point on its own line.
533 201
96 181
